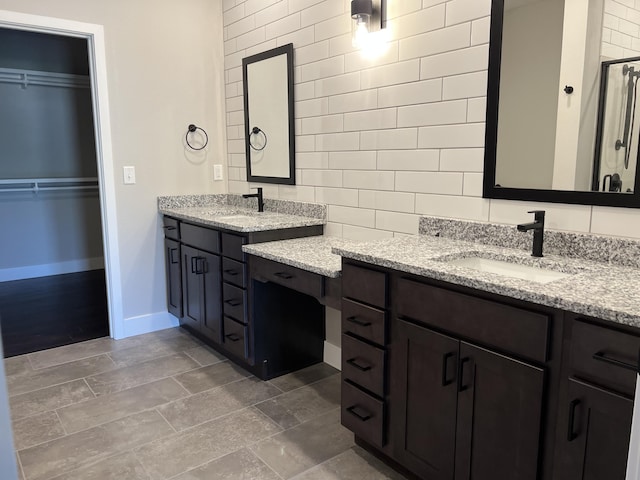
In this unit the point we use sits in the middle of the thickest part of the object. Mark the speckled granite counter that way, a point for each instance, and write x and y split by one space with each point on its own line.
594 289
232 212
310 253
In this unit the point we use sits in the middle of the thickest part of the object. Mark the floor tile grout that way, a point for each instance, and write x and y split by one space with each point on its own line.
278 393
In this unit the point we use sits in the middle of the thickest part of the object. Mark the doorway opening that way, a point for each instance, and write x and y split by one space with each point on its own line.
52 283
73 276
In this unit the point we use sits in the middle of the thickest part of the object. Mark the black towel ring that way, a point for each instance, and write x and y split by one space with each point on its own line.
256 131
192 128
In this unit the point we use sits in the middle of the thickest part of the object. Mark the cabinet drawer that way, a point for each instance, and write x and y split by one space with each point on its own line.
605 356
235 338
363 364
232 246
363 321
171 228
234 302
362 414
364 285
285 275
505 327
234 272
203 238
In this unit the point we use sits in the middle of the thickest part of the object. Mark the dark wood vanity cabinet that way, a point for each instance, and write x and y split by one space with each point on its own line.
594 424
364 353
201 287
460 410
450 383
208 289
174 276
173 265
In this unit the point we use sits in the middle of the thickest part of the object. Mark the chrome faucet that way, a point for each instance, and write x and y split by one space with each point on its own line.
538 231
257 195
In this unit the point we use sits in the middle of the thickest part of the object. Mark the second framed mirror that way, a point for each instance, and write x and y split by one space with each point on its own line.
269 116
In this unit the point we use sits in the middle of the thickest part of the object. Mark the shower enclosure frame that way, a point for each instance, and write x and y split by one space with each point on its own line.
602 104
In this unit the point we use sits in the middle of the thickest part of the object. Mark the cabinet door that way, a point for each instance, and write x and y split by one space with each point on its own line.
423 369
192 287
211 317
174 277
499 416
598 428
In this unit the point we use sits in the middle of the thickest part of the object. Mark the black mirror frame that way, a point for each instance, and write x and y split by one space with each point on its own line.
489 189
283 50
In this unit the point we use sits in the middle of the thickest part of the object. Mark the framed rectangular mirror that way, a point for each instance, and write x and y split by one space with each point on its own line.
562 121
269 116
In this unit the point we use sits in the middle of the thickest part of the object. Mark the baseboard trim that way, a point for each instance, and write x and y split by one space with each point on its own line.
148 323
48 269
332 355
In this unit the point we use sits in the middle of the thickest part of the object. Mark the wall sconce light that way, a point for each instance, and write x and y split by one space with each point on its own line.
368 16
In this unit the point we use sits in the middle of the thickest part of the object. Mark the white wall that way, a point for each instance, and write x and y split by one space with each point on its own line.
382 142
164 62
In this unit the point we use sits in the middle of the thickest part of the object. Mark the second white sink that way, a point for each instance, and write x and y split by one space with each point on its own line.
509 269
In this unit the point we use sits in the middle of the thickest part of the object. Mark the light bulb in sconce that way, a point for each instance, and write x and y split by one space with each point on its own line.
361 11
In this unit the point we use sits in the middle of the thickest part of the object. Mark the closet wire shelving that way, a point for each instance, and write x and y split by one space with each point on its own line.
24 78
36 185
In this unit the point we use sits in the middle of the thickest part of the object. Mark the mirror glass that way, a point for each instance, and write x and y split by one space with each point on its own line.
269 118
561 106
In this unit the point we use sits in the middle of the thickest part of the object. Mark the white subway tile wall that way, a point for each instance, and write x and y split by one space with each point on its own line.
384 140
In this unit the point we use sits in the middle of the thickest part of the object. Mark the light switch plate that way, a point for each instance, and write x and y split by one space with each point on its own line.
217 172
129 174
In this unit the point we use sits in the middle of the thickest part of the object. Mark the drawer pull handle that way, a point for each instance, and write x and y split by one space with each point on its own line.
231 272
445 365
360 323
234 337
363 417
354 363
234 302
169 227
601 356
461 386
571 434
283 275
172 259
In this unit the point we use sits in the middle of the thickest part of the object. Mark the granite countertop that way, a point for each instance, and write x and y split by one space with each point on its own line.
239 219
310 253
599 290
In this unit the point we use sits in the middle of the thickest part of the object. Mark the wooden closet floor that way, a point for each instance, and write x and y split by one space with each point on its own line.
46 312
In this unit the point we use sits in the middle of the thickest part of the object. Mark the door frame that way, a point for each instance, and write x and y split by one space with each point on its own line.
94 34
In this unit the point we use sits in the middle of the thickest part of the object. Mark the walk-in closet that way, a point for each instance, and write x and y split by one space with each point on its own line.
52 281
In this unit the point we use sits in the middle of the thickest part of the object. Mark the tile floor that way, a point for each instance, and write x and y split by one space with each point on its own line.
164 406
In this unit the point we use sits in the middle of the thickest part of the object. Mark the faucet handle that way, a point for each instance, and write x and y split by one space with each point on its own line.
539 214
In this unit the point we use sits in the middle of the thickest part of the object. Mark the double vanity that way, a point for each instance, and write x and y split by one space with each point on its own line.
459 359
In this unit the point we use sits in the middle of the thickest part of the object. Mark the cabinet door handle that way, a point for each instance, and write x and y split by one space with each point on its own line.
571 434
360 323
283 275
445 365
171 257
197 267
231 272
234 302
461 386
602 357
169 227
234 337
354 363
363 417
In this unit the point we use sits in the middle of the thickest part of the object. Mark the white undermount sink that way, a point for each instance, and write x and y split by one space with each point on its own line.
509 269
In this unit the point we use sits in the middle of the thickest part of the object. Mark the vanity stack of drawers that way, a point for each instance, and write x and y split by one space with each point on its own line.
234 296
364 356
